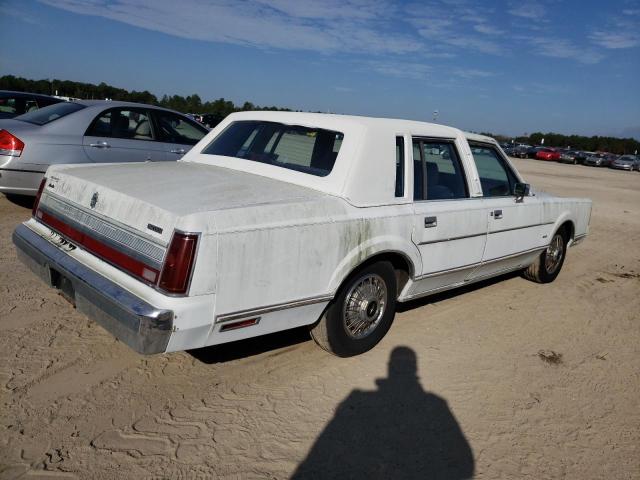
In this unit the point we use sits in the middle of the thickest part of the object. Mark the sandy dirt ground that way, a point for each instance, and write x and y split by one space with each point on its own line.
456 389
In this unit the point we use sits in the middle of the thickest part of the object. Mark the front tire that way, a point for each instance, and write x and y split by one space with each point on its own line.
361 314
548 265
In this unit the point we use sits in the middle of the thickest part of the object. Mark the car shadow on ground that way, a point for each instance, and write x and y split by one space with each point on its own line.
250 347
396 431
255 346
21 200
439 297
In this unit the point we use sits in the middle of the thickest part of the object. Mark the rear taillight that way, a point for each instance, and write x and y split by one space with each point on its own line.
38 195
10 144
178 263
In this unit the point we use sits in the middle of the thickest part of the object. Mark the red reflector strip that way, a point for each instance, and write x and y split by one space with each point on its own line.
240 324
111 255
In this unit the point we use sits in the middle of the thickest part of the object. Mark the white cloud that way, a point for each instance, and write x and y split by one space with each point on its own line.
455 24
619 32
414 71
487 29
431 29
615 40
563 48
534 11
325 27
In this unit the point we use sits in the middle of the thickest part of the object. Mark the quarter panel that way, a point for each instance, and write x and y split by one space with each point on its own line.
273 265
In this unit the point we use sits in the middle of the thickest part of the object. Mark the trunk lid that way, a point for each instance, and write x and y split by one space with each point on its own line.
151 197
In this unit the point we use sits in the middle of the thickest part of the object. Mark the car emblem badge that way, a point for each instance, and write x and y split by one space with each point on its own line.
94 200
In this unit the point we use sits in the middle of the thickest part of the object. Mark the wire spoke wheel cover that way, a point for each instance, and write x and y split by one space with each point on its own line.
554 254
364 306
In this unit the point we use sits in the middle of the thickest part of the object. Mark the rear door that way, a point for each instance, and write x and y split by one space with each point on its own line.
450 227
177 133
123 134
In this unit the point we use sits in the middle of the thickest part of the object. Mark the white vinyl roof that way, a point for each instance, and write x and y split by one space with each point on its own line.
365 169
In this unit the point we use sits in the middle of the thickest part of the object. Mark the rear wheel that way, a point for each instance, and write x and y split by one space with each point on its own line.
361 314
548 265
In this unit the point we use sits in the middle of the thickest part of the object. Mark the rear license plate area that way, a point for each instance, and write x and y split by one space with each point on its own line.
63 285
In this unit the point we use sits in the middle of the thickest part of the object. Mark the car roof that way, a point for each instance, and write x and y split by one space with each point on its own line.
119 103
28 94
339 121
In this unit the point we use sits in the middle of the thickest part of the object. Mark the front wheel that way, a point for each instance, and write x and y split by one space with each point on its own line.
548 265
361 314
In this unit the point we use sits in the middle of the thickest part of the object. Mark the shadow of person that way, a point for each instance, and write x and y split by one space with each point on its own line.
398 431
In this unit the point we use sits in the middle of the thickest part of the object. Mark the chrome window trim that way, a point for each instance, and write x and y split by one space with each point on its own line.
465 176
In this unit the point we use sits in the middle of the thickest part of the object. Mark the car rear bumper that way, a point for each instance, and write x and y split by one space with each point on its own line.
143 327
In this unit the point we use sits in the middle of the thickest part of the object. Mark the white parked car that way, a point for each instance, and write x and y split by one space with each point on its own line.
277 220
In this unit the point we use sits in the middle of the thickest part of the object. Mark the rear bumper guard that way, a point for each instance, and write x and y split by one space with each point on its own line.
143 327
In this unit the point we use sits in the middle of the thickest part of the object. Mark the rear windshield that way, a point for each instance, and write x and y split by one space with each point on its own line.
49 114
304 149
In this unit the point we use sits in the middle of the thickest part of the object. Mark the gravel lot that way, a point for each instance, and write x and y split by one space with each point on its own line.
76 403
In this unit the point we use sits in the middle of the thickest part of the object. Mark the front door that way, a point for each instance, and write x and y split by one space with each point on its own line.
177 133
449 227
515 232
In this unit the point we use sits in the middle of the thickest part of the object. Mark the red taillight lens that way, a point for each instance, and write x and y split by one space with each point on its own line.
38 195
178 264
10 144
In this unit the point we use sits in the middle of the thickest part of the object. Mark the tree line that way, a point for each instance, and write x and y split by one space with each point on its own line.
220 108
88 91
575 142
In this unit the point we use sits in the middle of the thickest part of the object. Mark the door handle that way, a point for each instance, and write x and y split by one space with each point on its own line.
430 222
178 151
100 145
497 214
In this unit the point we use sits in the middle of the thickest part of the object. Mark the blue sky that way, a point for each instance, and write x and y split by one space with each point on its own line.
506 67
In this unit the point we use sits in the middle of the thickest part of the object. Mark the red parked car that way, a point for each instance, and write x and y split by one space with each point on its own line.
547 154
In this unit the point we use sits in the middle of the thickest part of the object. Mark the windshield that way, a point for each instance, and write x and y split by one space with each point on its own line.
308 150
49 114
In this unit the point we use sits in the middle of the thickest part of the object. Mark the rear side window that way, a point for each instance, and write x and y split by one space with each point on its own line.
11 105
399 167
127 123
51 113
438 173
305 149
178 129
496 178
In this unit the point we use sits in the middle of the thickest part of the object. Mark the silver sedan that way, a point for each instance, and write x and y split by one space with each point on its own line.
89 132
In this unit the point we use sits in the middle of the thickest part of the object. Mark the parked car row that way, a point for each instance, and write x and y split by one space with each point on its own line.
89 131
593 159
13 104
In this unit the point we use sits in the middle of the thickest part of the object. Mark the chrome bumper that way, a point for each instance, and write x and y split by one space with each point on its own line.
143 327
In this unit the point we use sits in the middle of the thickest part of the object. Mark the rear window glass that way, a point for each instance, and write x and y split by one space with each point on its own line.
304 149
49 114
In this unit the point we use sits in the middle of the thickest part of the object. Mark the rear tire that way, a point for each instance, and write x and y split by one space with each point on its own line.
548 265
361 313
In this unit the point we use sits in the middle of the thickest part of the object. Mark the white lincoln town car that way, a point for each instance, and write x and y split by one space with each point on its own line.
276 220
